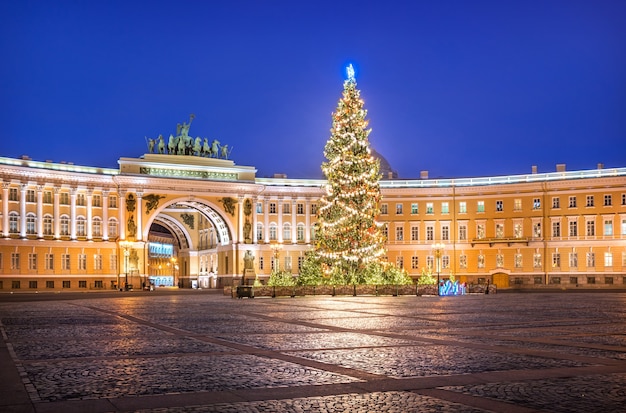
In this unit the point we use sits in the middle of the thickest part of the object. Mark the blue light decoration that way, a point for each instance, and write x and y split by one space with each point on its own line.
452 288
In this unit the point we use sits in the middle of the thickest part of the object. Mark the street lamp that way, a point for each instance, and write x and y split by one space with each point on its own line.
174 268
126 247
276 249
438 249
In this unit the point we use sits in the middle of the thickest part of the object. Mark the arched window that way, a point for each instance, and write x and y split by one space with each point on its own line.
80 226
287 232
14 222
300 232
31 223
273 232
65 225
113 228
96 227
47 224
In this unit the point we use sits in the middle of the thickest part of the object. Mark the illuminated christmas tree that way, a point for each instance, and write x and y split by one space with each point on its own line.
349 238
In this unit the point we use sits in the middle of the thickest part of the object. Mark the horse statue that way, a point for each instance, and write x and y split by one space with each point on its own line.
161 144
206 149
150 145
225 152
171 145
181 145
197 146
215 148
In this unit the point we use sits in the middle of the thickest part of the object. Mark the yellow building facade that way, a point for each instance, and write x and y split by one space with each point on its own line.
187 221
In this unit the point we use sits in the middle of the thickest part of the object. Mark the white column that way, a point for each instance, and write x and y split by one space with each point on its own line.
23 210
266 217
121 207
73 192
240 220
39 211
138 235
105 215
89 214
57 215
307 222
294 238
5 209
279 210
255 234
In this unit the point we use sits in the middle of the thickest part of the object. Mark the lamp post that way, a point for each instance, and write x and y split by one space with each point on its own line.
276 249
438 249
126 247
174 268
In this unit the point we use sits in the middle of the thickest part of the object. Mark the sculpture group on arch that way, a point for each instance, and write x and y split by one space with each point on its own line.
183 144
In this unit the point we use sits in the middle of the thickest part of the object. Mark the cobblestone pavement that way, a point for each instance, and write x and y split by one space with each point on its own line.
200 351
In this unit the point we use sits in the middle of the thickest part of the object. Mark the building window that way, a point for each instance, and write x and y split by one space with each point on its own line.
429 208
591 259
288 264
518 229
65 225
415 262
463 207
13 196
399 233
572 202
608 227
31 221
591 280
80 199
286 208
555 280
624 202
273 232
517 204
287 231
480 206
591 228
47 225
96 227
445 233
64 198
414 209
536 203
573 280
538 280
445 208
607 200
98 284
499 260
415 233
430 233
112 201
300 232
14 219
481 261
47 197
30 196
400 262
385 232
463 232
573 260
261 263
259 232
95 201
16 285
15 260
480 231
537 229
80 226
112 228
49 284
556 260
518 260
499 206
49 261
398 209
113 262
65 261
430 261
32 261
32 284
300 209
537 260
66 284
608 259
463 261
259 207
82 284
445 261
97 262
573 229
556 229
623 230
608 280
272 207
589 200
383 209
556 203
499 230
313 209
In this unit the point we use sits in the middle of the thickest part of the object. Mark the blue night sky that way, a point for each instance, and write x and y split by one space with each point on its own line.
458 88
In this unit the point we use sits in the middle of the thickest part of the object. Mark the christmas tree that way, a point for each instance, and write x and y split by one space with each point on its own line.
349 239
